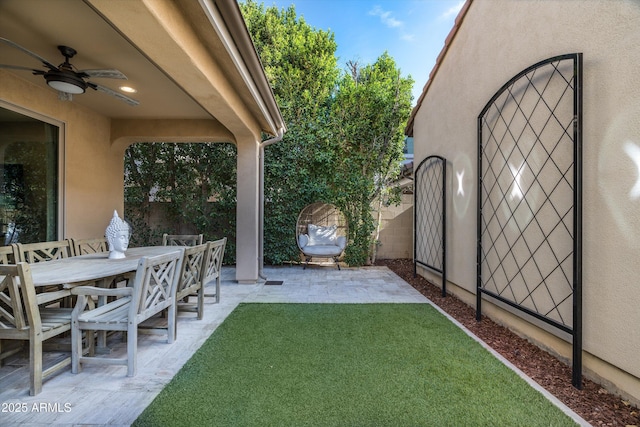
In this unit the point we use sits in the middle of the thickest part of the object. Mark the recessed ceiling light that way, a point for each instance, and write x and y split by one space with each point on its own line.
128 89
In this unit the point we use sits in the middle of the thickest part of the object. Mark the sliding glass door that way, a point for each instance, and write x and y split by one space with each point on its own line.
29 152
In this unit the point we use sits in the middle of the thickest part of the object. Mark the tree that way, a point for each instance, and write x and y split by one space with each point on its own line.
343 144
194 183
301 66
368 115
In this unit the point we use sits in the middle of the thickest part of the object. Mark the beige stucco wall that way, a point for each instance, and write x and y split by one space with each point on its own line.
93 177
92 183
496 40
396 230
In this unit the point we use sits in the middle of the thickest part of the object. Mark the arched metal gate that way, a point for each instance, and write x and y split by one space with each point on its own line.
530 197
430 204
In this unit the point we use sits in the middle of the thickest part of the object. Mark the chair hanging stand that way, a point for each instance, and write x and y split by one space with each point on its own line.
321 232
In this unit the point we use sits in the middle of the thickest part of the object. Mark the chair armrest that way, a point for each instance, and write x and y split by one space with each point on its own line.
341 241
109 292
51 296
303 240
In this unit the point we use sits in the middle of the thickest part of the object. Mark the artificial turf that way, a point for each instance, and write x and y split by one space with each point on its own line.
345 365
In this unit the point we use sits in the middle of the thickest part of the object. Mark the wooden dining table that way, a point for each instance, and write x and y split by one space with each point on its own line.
92 267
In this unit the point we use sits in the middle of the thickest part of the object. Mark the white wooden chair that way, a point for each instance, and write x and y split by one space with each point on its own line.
42 252
7 255
181 239
21 318
89 246
192 279
213 266
153 290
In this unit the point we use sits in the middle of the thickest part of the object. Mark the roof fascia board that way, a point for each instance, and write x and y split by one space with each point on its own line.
447 44
237 41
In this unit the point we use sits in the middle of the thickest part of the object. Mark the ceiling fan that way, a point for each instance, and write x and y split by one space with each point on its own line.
66 79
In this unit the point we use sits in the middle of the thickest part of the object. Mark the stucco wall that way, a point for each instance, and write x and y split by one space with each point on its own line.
396 230
93 181
498 39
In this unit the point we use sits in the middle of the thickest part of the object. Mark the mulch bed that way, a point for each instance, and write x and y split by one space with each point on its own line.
593 403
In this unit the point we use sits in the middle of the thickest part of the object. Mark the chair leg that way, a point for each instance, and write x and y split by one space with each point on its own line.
218 288
172 325
35 366
132 349
76 348
335 259
200 299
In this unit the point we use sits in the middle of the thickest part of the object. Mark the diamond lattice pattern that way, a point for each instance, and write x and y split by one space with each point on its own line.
429 209
527 192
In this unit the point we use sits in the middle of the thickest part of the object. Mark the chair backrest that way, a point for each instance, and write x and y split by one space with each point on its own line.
43 251
213 263
19 314
155 284
193 269
7 254
89 246
181 239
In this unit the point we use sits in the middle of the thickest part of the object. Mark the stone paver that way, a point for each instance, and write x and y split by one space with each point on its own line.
103 395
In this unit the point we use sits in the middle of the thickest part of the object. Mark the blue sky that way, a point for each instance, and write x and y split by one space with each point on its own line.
412 31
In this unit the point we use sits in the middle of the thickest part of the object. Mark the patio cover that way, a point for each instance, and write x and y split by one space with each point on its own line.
198 79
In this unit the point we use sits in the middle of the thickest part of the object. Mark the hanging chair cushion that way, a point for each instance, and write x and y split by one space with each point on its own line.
321 235
322 241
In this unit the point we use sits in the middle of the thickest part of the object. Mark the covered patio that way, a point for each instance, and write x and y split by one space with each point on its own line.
196 76
105 396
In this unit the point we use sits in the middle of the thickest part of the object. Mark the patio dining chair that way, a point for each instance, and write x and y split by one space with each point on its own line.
213 266
192 279
94 246
89 246
181 239
153 291
21 318
7 255
42 252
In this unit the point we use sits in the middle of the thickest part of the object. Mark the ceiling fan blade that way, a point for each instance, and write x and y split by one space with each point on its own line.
112 92
106 74
17 67
28 52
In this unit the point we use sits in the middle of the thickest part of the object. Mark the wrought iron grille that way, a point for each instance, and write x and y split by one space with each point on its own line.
530 196
430 217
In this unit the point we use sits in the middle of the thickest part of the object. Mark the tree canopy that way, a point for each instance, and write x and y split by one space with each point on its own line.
343 145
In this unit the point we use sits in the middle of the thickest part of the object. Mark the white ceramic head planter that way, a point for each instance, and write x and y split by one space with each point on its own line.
117 233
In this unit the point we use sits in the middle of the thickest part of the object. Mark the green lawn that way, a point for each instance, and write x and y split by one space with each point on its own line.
346 365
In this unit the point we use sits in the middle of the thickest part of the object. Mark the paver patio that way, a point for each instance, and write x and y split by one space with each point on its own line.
104 395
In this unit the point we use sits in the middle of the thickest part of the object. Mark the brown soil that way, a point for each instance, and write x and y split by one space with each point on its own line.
593 403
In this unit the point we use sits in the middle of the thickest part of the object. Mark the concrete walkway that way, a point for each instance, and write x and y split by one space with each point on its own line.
103 395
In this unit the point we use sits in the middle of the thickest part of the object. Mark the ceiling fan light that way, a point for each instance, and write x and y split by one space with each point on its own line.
65 82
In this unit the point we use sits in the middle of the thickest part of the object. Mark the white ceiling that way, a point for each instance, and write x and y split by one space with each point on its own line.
41 25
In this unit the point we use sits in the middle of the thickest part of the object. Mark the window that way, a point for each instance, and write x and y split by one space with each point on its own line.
29 197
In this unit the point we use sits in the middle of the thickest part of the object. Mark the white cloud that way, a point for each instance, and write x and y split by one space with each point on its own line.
385 17
452 11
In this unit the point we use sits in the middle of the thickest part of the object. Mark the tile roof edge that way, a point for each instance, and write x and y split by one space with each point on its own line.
445 49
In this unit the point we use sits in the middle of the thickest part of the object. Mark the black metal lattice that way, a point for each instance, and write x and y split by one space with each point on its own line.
430 229
530 197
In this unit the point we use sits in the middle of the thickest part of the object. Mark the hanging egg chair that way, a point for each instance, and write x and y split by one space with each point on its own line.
321 232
